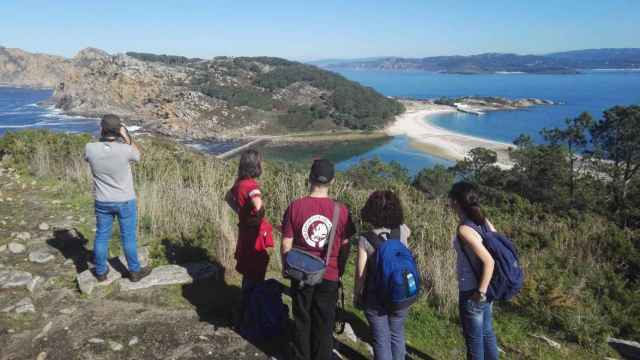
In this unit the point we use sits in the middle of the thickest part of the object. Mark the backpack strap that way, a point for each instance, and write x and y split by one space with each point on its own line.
332 233
373 239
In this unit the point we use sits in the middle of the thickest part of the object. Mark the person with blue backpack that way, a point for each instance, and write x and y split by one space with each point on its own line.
387 281
487 269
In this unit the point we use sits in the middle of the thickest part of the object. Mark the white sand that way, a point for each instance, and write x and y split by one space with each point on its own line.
438 141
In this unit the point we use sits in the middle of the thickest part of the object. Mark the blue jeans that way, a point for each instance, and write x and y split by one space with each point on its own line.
127 214
387 330
477 328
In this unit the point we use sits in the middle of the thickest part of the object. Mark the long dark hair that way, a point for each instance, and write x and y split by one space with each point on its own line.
250 165
465 194
383 209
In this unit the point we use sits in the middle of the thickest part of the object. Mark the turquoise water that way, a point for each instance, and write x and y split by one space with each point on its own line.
592 91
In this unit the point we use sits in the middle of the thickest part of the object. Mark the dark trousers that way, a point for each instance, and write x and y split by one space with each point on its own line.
314 312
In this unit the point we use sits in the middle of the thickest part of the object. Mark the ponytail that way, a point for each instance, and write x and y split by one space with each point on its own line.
466 196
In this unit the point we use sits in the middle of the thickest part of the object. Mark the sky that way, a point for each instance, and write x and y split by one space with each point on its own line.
319 29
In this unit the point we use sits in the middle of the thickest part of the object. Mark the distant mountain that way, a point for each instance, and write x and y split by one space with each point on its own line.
325 62
600 58
569 62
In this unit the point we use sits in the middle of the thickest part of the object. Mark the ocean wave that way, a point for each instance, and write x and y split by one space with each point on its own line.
62 116
17 113
17 126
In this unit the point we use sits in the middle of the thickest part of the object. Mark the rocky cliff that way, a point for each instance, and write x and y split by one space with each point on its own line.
196 98
21 68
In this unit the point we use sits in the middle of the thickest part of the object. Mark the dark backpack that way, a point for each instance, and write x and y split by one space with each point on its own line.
393 272
265 315
508 276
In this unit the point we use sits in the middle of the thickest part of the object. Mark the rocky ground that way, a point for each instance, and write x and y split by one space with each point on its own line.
51 307
45 315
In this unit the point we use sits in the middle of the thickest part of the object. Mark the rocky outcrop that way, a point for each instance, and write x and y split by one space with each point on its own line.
195 98
21 68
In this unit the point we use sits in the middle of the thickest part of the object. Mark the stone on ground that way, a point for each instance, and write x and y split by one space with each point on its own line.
16 248
42 255
44 332
23 236
34 283
115 346
171 274
87 281
96 341
134 341
43 226
68 311
3 248
14 278
23 306
42 356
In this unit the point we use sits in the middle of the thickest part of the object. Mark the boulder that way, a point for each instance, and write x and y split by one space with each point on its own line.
171 274
42 255
17 248
14 278
87 281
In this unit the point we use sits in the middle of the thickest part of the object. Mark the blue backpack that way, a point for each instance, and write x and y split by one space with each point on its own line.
508 276
265 315
393 272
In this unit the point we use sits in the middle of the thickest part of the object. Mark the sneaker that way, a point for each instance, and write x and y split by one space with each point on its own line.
139 275
102 277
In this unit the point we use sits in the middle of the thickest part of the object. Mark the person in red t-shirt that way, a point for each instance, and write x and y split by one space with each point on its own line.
306 225
245 198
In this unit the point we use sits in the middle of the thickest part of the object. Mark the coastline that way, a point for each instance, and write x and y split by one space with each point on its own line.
438 141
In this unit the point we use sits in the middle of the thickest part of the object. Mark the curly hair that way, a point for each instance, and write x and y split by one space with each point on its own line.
250 165
383 209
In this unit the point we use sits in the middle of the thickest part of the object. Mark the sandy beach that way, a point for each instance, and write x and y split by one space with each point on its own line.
437 141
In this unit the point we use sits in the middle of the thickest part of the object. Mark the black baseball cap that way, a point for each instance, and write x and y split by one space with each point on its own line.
111 123
322 171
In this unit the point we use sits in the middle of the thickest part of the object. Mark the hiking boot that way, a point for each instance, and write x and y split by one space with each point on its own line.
102 277
139 275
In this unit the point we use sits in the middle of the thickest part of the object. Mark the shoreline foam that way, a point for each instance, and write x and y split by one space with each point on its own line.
438 141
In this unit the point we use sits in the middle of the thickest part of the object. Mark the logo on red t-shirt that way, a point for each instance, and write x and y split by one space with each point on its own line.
315 231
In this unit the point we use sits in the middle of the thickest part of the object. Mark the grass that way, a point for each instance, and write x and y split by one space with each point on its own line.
183 217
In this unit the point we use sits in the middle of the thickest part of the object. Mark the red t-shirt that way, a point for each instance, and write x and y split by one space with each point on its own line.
308 221
249 262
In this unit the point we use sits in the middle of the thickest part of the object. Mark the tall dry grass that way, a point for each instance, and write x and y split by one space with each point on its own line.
181 202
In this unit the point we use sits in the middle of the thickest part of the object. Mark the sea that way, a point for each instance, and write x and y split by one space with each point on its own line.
590 91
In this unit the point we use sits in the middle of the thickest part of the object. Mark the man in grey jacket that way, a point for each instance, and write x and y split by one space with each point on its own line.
110 160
